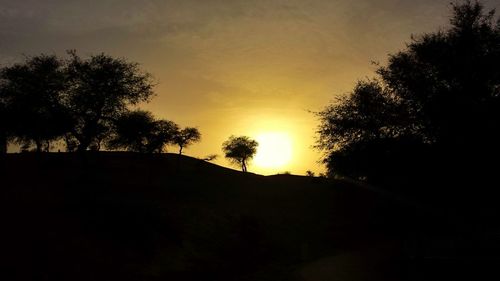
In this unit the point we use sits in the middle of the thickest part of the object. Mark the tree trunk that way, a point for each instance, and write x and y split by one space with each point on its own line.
243 166
83 142
47 146
3 143
38 144
83 145
180 150
70 145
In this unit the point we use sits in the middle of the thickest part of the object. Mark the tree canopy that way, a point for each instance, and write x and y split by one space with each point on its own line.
4 123
239 150
185 137
101 88
138 131
32 92
86 102
436 101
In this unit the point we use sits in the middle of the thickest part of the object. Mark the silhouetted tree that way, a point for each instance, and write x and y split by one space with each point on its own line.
132 130
210 157
138 131
310 173
440 96
239 150
450 80
164 133
4 123
71 142
101 88
35 90
186 137
370 114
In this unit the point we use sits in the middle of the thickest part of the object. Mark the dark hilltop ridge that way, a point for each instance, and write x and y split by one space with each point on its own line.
130 216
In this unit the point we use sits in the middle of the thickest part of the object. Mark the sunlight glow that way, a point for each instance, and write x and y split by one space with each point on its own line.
274 150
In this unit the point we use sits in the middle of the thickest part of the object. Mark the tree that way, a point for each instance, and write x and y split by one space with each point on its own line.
101 88
186 137
138 131
239 150
210 157
164 133
132 130
32 94
353 130
4 124
435 104
369 112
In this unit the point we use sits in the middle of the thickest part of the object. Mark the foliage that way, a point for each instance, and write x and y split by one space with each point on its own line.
239 150
138 131
164 133
369 112
439 96
310 173
5 131
210 157
85 103
186 137
101 88
32 92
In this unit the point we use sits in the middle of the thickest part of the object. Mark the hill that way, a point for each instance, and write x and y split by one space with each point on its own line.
127 216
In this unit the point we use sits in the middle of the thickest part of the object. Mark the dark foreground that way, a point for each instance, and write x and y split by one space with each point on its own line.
121 216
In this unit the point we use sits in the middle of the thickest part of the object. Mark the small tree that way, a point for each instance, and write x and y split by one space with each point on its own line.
210 157
186 137
239 150
310 173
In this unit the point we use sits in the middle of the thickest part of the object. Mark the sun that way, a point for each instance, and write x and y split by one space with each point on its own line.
274 150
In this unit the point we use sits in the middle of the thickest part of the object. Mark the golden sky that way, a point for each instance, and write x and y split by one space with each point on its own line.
242 67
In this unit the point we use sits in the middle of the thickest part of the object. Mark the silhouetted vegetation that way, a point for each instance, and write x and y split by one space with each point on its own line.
431 112
210 157
239 150
430 120
185 137
83 102
33 94
310 173
101 88
138 131
5 125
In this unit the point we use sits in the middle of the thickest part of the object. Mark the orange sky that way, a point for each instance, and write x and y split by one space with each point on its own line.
240 67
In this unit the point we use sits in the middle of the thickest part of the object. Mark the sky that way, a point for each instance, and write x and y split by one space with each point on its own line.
231 67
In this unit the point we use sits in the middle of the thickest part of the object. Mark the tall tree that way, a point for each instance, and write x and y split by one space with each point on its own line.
239 150
101 88
439 96
186 137
35 90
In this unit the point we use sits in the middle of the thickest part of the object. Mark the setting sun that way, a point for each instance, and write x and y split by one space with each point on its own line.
274 151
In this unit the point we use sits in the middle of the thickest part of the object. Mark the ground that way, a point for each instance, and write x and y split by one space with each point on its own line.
126 216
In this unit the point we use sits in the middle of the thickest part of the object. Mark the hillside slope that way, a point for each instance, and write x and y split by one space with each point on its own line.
126 216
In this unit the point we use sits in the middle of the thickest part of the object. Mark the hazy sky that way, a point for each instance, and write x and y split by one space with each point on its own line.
230 67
